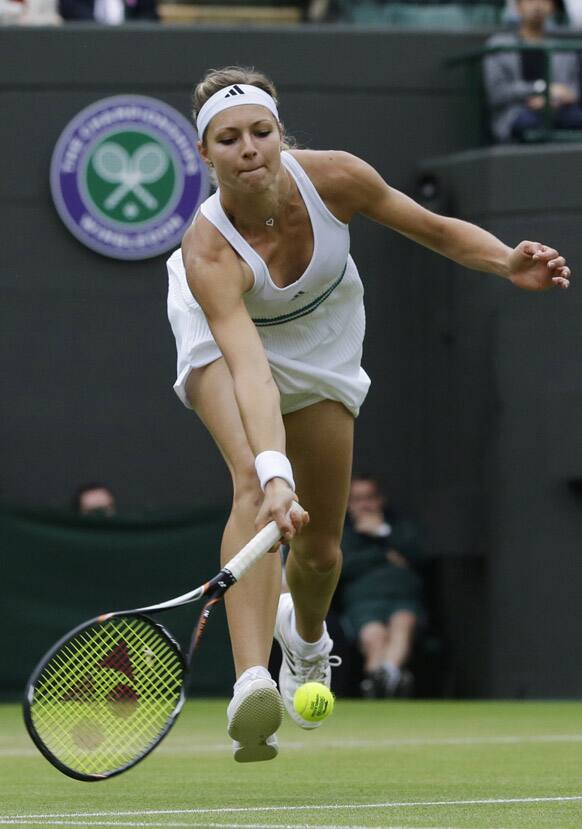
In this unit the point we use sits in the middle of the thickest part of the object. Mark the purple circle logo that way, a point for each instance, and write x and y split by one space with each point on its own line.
126 177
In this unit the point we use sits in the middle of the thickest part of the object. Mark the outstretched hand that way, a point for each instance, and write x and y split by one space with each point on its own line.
536 267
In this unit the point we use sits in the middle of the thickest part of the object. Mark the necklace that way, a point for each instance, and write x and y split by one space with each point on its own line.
270 221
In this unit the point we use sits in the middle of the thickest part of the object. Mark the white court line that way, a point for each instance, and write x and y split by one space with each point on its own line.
219 825
403 804
390 742
189 747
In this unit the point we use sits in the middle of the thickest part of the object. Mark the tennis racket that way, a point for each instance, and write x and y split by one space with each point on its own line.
108 692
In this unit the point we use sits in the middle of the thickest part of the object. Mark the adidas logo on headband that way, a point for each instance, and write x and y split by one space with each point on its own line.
222 100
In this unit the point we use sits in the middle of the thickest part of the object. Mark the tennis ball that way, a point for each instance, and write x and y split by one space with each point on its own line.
313 701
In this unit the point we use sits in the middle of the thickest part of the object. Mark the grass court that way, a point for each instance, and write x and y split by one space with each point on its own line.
459 765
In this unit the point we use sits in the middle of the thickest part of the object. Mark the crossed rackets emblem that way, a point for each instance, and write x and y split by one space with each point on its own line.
115 165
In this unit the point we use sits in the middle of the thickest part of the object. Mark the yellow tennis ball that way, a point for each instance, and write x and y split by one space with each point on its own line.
313 701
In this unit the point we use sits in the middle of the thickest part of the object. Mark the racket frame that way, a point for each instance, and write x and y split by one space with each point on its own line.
44 662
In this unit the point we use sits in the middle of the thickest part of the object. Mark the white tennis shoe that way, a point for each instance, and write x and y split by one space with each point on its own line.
296 669
254 714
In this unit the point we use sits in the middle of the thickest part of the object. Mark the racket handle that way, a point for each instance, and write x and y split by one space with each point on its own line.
256 548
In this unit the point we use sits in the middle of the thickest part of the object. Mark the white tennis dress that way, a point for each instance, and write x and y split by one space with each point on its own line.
312 330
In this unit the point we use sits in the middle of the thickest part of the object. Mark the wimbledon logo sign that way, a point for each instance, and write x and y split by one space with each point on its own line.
126 178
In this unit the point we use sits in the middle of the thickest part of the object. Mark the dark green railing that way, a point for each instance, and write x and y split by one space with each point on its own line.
473 61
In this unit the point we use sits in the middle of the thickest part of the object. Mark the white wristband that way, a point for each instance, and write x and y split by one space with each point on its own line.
271 465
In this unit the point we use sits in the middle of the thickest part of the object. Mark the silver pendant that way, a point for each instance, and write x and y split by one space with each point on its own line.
270 222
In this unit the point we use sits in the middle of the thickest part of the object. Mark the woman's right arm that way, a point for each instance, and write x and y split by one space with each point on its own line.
217 281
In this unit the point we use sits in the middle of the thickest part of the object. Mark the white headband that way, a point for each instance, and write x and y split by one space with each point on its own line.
232 96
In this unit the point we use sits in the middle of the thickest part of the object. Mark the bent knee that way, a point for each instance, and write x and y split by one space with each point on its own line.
320 555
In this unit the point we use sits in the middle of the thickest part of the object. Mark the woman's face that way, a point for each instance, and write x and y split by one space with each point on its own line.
244 145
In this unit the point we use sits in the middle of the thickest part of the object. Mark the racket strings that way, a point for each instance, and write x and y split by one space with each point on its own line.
108 695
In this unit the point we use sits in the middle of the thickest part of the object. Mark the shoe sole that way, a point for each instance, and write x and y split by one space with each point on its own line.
257 718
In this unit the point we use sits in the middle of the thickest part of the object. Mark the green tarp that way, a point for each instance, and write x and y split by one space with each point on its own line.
58 570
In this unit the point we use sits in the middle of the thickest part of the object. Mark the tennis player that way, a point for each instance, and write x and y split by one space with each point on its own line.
266 306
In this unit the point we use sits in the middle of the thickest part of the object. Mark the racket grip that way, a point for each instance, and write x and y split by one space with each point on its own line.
256 548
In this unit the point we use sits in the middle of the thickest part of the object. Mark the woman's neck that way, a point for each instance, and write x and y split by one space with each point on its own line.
251 211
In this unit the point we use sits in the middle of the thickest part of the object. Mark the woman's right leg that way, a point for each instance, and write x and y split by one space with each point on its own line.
256 709
251 605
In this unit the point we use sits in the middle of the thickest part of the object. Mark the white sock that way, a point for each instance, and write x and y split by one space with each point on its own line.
307 649
256 672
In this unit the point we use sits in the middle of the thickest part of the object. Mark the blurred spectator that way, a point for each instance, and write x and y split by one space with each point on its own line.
39 13
380 589
516 85
318 11
10 11
94 499
573 10
560 20
417 14
108 12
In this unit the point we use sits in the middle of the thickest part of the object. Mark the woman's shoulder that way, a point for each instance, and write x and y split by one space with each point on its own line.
327 165
333 174
205 252
203 240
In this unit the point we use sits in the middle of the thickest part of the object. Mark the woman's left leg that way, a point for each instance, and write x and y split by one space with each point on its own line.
320 447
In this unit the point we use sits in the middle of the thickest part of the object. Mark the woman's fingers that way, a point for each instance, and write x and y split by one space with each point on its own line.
284 522
544 254
529 248
299 518
556 263
294 521
280 505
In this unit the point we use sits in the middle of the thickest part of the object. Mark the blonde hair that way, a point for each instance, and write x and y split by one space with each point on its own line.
217 79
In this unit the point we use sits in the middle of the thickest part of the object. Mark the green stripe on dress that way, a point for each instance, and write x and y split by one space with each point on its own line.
300 312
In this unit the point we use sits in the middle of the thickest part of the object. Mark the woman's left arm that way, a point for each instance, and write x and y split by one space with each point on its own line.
531 265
